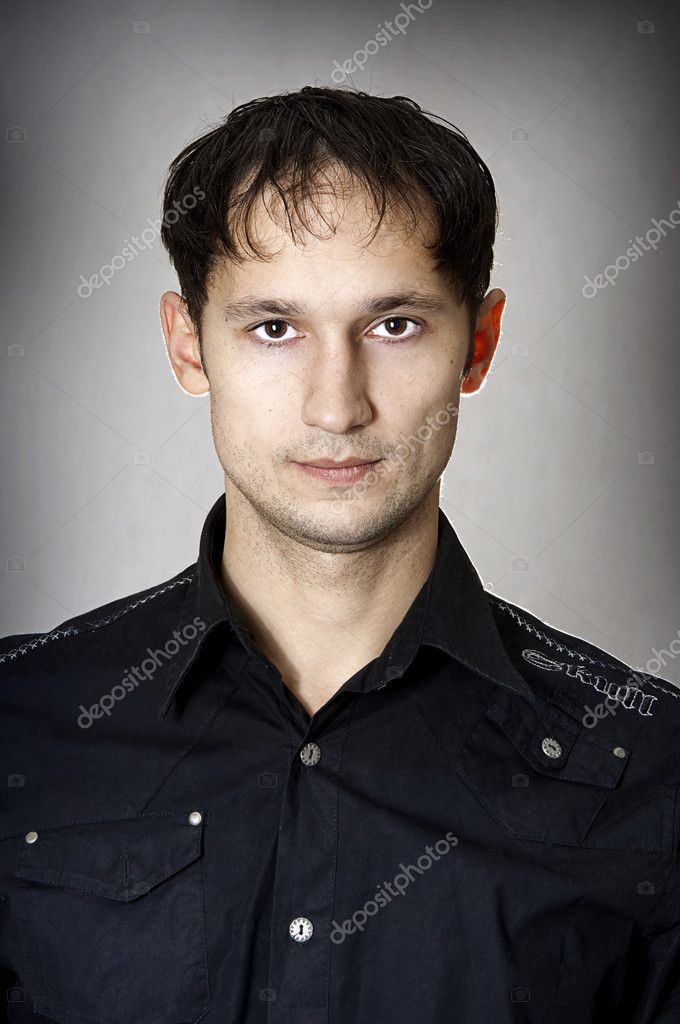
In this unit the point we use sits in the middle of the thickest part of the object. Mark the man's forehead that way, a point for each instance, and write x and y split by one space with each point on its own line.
331 220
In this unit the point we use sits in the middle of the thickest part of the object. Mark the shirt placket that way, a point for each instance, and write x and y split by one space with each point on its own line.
303 894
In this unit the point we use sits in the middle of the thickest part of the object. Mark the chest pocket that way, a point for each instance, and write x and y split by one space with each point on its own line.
540 772
112 922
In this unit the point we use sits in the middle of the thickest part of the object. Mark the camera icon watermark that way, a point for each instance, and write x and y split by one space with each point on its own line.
520 995
392 672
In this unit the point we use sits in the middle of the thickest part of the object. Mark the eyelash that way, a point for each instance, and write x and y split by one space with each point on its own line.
396 340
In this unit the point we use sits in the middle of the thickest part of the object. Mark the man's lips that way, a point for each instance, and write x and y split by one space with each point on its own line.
347 471
333 464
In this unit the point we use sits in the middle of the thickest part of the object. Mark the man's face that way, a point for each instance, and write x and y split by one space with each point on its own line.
334 349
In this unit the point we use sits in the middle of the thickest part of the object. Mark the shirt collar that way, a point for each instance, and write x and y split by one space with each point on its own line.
451 612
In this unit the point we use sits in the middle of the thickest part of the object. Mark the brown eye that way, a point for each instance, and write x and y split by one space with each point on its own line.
401 328
275 328
396 324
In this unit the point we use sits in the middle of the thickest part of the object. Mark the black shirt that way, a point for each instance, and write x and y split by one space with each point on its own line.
481 826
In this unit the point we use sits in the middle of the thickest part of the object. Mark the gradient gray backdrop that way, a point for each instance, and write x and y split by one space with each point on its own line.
564 484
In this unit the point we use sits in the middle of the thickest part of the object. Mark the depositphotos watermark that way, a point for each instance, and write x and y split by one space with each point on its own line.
387 31
404 449
400 882
632 254
134 676
625 695
146 239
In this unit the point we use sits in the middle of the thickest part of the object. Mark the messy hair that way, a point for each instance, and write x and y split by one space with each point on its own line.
283 145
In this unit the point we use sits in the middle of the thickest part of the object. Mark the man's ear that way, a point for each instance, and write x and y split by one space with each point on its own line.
181 342
487 335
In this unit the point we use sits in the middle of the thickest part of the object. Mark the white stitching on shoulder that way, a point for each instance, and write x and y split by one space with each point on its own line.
552 643
35 642
135 604
56 634
575 654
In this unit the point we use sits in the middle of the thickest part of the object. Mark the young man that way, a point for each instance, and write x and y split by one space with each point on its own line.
321 775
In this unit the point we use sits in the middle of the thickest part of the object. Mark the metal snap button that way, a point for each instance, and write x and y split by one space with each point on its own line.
31 837
301 929
310 754
619 752
550 747
195 818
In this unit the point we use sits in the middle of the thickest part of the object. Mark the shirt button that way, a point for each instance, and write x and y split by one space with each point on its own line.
310 754
300 929
31 837
550 747
619 752
195 818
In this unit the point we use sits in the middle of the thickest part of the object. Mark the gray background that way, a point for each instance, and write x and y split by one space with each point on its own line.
565 479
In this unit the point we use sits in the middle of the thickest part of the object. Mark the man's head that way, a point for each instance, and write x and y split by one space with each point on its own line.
333 275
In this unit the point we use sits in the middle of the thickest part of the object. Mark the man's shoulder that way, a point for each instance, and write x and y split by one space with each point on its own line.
97 629
551 658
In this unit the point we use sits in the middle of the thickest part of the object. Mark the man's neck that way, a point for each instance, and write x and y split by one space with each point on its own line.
319 616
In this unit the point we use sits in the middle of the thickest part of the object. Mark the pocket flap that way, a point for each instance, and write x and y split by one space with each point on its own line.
572 752
120 860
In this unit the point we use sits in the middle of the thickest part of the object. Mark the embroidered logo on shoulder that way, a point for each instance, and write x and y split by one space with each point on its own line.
540 660
632 698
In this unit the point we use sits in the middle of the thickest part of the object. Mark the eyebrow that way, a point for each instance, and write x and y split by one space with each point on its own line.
254 306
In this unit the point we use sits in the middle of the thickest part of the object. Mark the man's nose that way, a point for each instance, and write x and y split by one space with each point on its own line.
336 387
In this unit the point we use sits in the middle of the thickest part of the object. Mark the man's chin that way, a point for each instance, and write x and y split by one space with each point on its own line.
332 524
